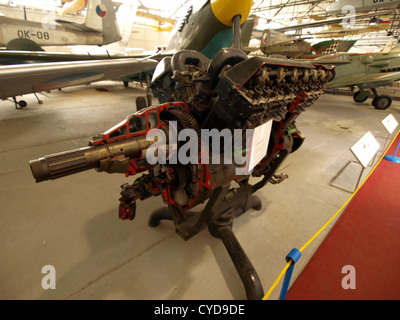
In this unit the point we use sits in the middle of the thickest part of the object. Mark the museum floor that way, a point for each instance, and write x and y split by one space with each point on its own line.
371 223
72 223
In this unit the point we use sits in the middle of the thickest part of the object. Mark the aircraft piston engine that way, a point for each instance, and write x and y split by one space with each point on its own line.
231 92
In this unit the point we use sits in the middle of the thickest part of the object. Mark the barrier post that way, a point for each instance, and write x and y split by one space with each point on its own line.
390 123
292 257
393 158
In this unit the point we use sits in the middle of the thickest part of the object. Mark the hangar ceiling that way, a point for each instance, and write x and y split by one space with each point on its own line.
293 12
282 13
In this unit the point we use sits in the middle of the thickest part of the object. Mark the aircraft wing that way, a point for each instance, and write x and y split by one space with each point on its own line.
22 79
366 81
333 46
333 59
326 22
13 57
75 26
327 61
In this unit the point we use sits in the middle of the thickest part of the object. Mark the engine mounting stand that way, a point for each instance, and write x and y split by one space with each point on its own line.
220 226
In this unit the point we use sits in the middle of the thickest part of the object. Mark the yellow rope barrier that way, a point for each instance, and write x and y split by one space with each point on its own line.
326 224
276 281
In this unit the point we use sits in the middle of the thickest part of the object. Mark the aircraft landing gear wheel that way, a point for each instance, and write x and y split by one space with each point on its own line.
382 102
22 104
19 104
360 97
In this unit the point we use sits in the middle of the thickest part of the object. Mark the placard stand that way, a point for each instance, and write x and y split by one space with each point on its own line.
364 150
390 124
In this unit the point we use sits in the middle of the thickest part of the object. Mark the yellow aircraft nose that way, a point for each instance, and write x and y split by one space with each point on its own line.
225 10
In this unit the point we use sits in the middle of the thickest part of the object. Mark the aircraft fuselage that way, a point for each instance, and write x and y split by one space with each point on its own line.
44 35
375 66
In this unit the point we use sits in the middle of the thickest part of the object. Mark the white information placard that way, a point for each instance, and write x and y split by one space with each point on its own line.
365 149
259 145
390 123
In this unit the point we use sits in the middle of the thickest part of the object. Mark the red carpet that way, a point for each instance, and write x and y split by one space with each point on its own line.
366 236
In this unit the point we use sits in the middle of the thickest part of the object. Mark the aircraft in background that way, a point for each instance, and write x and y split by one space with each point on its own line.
32 78
336 30
99 28
331 46
343 20
360 5
277 41
300 48
274 42
73 6
206 27
366 71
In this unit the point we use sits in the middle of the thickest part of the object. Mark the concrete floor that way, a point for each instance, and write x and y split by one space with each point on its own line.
72 223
